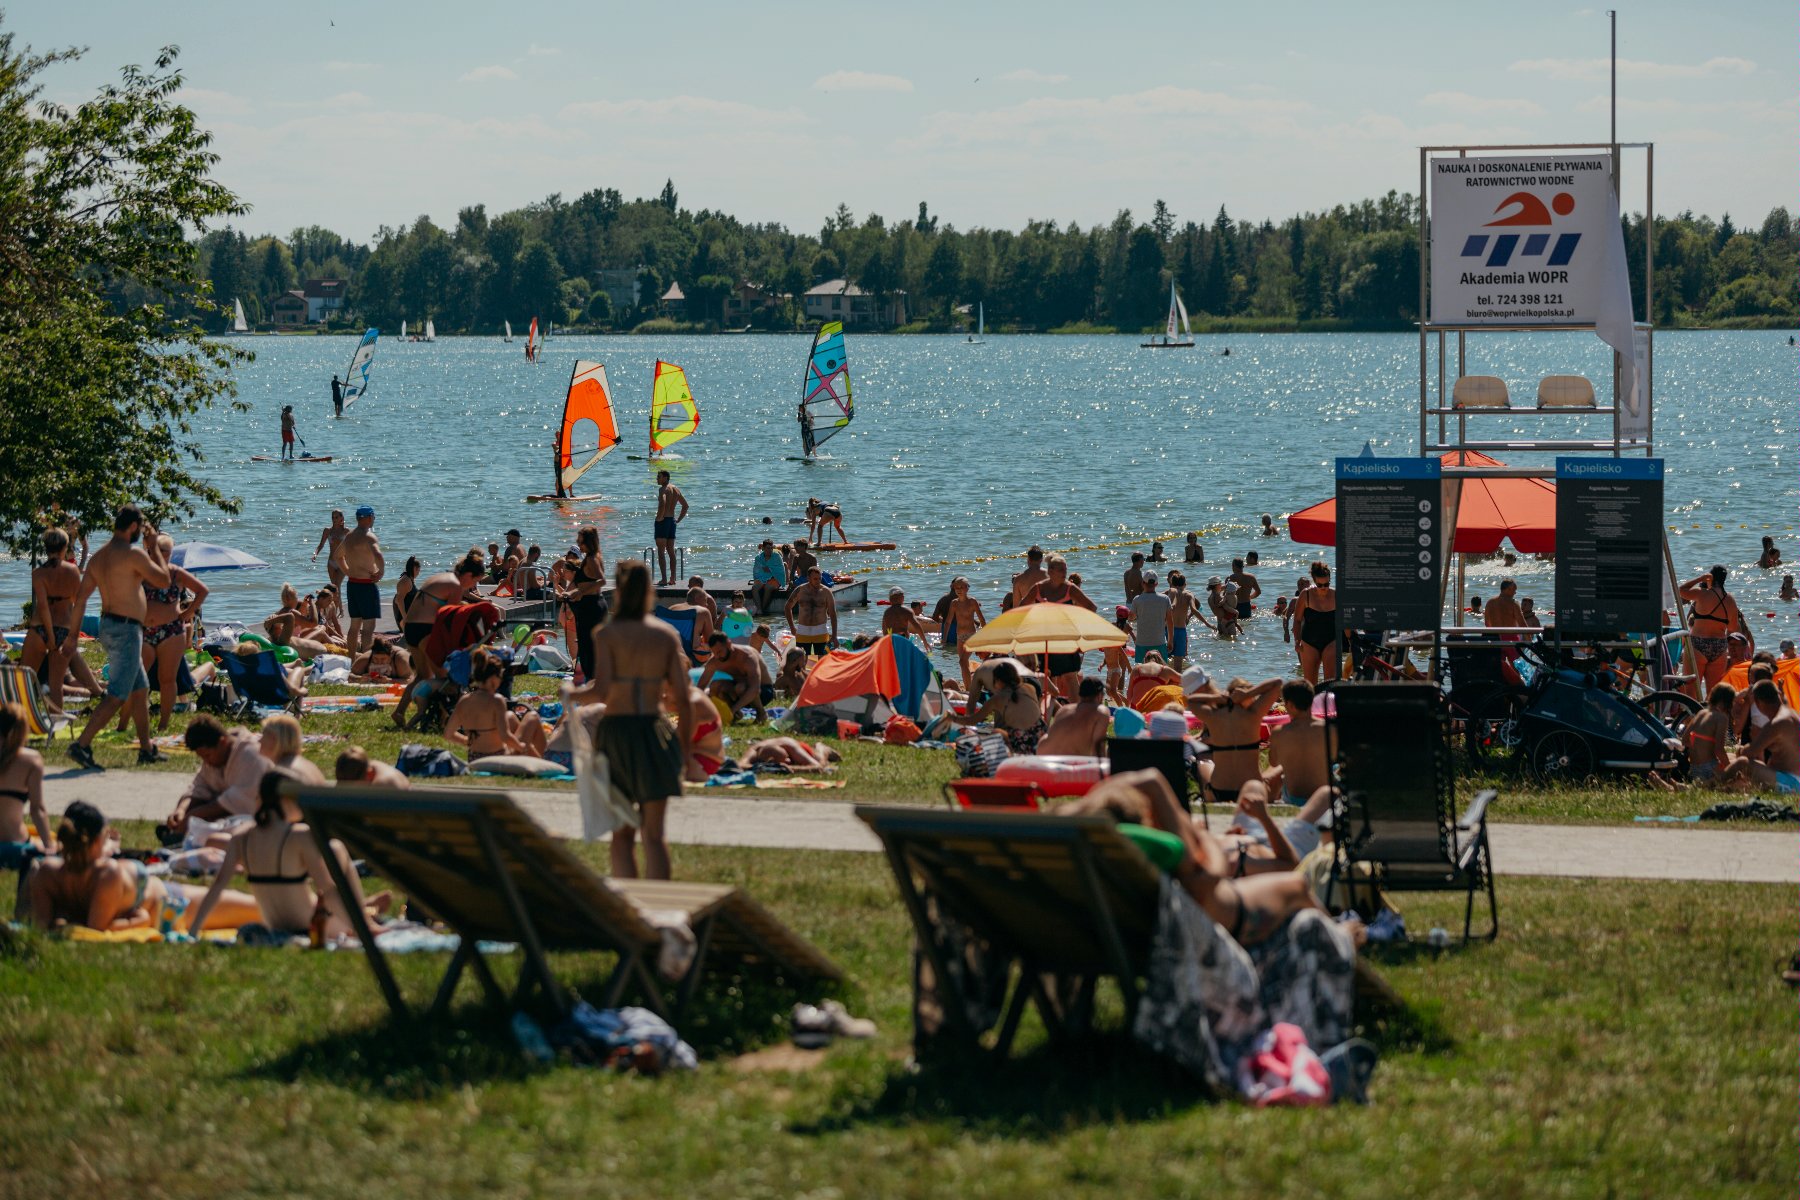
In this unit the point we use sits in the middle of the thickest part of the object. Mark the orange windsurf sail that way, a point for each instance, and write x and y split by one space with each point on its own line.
590 401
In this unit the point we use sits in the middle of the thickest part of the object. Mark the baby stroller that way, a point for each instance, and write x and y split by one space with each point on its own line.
439 696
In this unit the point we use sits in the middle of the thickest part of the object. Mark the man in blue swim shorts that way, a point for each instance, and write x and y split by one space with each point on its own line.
1772 759
359 554
668 500
119 571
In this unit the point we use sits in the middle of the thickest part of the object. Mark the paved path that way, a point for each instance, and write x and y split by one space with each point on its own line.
1582 851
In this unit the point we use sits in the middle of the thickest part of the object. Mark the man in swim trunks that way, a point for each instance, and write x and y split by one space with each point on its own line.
812 615
899 618
337 395
1714 619
768 577
1153 619
333 535
360 560
1063 669
1134 578
119 571
1081 727
287 431
1184 607
1247 588
741 669
668 500
1030 577
1297 765
1772 759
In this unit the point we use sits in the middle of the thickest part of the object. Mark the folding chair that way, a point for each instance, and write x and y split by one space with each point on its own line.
19 685
261 681
1153 754
1395 812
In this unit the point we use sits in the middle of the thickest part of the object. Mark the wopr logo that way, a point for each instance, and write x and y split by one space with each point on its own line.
1528 211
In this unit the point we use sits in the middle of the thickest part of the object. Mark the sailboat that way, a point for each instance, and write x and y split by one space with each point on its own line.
356 377
508 338
979 336
239 326
826 407
1178 320
531 342
673 412
430 330
587 400
403 331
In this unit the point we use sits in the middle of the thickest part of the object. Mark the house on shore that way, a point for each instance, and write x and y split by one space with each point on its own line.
288 310
841 300
673 302
749 300
324 299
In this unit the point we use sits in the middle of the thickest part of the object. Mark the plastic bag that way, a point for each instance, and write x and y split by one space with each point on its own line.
603 809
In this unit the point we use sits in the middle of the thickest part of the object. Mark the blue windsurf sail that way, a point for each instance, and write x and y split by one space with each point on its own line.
356 379
825 403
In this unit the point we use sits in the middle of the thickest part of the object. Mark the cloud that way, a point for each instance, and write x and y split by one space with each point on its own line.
1050 120
688 110
338 66
485 74
215 103
1027 75
1593 69
357 100
1463 104
861 81
537 51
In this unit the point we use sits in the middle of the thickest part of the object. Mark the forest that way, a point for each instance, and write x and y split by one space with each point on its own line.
603 262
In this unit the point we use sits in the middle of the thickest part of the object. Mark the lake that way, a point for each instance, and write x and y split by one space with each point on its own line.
961 454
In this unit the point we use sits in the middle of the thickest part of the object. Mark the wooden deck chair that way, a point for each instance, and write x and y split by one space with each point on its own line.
1565 391
1052 895
1480 391
19 685
1396 816
480 864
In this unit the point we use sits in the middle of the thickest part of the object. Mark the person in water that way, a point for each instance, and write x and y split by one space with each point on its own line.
287 431
337 395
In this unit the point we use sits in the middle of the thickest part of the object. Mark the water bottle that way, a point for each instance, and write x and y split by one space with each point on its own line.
1439 938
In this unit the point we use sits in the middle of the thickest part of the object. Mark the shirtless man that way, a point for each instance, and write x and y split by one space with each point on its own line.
742 666
1772 759
812 615
1297 750
1715 619
1064 669
1184 607
333 536
802 561
668 500
699 597
962 617
1080 728
1134 578
53 588
1247 588
456 586
703 626
119 570
899 619
358 558
1030 577
1503 611
287 431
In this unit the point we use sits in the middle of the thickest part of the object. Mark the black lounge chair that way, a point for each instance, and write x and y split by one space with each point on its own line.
1396 815
481 865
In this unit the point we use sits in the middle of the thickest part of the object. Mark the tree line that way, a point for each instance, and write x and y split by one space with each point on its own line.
1353 267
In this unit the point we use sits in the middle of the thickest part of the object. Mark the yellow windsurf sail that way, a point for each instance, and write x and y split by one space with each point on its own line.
673 414
589 401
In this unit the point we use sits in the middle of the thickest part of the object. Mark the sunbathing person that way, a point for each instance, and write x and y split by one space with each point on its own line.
355 766
289 626
21 793
559 747
86 885
1080 728
295 673
290 885
791 753
1771 760
707 747
383 662
483 720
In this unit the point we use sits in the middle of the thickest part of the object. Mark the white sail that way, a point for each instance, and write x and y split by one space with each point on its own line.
508 325
980 320
403 331
430 330
1173 301
1182 309
238 324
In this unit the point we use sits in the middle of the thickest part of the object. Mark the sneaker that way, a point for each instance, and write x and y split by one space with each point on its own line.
84 757
845 1025
152 755
813 1028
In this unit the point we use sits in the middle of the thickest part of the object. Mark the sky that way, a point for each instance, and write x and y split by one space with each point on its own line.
353 116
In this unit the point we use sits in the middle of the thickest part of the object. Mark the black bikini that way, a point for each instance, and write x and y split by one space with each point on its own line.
279 851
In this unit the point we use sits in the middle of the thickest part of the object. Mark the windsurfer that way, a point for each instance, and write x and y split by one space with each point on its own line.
812 615
337 395
668 499
806 431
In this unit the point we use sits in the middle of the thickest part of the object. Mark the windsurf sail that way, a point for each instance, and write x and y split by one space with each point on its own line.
531 340
356 378
981 320
673 413
238 324
825 404
589 400
508 325
403 331
430 330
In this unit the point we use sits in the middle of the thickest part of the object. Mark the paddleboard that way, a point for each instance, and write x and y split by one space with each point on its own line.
853 547
542 499
658 458
276 458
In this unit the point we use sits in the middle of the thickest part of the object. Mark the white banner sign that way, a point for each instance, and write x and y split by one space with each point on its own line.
1522 241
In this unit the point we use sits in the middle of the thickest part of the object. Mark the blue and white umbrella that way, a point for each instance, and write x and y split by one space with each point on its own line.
204 556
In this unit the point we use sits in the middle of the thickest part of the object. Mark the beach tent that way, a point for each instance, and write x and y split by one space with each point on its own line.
891 676
1522 511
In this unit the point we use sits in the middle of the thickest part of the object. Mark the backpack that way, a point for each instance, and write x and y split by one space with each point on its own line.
978 754
900 731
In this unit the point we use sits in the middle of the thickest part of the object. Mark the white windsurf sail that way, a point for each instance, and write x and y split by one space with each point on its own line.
430 330
356 379
508 338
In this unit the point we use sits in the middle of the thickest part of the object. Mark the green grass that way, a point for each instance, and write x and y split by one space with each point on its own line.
1621 1038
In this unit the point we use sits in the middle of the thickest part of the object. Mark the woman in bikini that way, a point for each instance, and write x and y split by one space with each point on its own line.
1316 631
1017 709
21 793
1064 669
289 880
483 721
706 754
638 661
86 885
53 588
1712 621
1233 724
586 597
404 587
286 627
167 612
